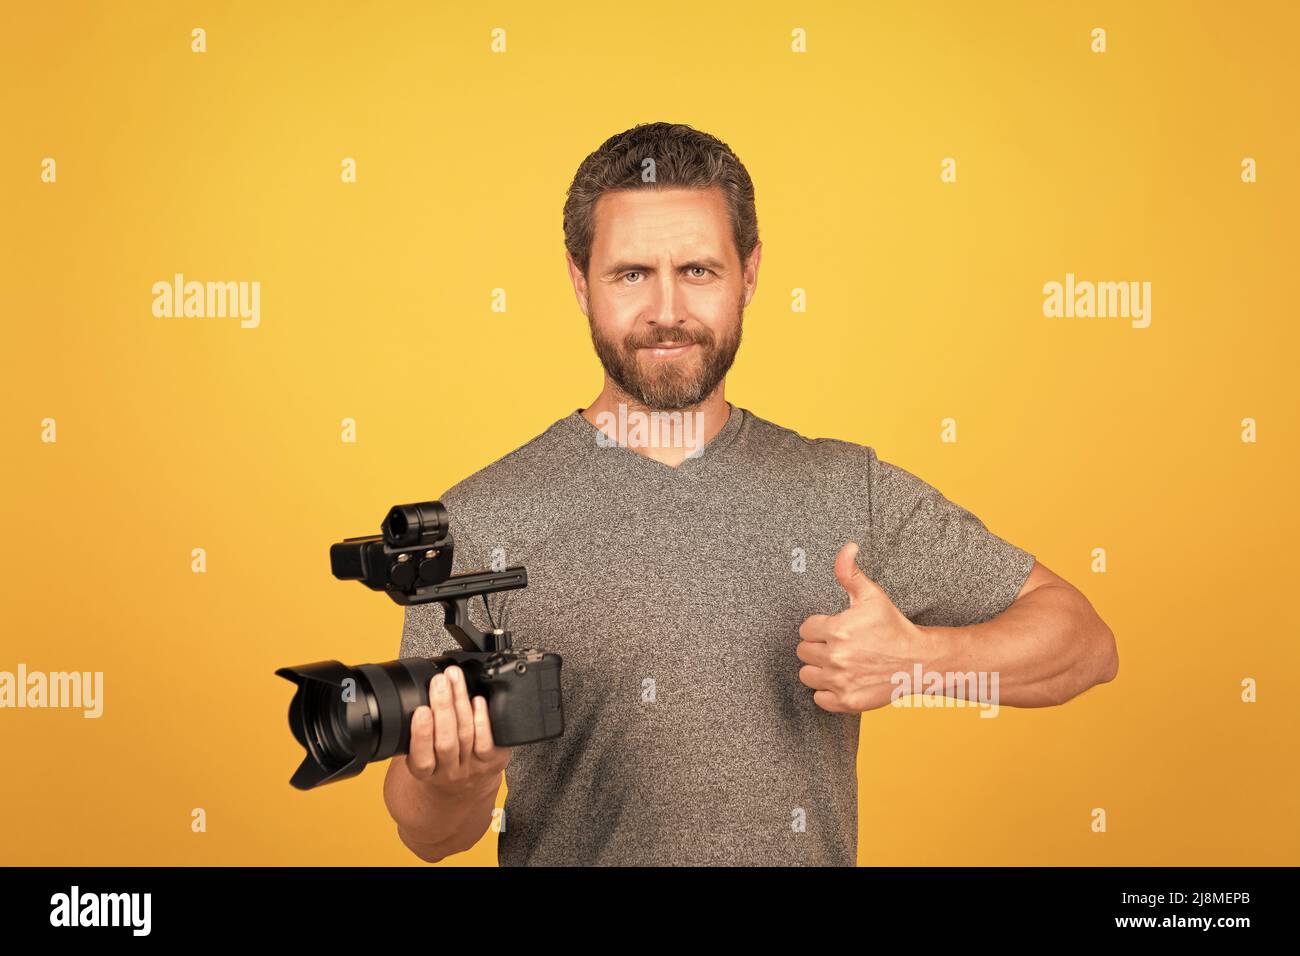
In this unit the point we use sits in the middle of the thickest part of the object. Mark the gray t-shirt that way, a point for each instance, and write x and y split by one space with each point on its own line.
674 597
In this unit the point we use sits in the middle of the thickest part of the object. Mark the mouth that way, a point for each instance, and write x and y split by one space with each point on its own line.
668 350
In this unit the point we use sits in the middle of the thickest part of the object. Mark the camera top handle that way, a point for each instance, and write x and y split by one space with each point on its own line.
411 562
454 593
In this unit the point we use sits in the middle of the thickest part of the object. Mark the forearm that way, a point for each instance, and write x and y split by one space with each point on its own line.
1049 646
431 826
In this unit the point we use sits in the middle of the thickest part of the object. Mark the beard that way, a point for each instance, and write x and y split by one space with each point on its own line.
673 384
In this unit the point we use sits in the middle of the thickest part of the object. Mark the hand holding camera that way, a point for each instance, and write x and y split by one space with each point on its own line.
346 717
451 740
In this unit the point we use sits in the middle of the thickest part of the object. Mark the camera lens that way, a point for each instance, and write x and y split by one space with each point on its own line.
347 717
326 723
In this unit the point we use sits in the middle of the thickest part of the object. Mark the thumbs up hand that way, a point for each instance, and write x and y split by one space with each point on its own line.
849 658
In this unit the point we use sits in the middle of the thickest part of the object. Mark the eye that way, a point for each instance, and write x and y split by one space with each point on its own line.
703 272
627 276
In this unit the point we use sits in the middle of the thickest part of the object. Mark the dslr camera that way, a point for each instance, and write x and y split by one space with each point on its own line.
346 717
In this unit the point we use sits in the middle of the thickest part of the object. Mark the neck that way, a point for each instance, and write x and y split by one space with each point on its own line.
710 414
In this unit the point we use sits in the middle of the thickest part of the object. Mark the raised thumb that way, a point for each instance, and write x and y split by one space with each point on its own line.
850 576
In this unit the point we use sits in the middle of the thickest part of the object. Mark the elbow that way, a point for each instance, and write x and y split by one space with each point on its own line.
1100 665
424 853
1108 668
1103 652
428 852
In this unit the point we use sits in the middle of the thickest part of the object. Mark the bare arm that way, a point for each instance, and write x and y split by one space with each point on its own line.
441 793
433 826
1048 646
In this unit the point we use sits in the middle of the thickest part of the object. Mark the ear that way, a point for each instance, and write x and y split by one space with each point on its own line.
579 283
751 271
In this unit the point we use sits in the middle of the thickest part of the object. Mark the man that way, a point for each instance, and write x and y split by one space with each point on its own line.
726 601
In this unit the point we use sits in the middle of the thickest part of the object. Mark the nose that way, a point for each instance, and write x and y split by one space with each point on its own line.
667 309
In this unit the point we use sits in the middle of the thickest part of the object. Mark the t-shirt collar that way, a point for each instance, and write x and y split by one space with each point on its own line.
587 435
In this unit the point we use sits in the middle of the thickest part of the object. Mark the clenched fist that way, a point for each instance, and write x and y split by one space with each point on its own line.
849 658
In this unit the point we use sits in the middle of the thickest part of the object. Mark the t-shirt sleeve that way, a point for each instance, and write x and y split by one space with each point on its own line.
937 561
423 634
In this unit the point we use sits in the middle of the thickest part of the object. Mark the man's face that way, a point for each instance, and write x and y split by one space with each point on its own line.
665 293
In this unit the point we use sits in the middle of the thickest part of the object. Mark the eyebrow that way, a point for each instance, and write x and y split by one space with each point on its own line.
707 263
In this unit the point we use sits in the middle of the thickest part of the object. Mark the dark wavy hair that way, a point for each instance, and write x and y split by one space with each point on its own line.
684 158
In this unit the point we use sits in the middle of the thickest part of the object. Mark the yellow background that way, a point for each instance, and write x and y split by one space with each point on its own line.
925 302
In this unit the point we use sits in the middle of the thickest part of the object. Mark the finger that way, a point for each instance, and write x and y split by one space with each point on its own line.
815 677
446 743
464 712
828 700
813 652
419 756
814 627
483 742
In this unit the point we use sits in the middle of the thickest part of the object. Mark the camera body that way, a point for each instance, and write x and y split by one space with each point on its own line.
346 717
521 686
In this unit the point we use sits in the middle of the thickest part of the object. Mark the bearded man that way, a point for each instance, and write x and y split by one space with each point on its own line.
726 606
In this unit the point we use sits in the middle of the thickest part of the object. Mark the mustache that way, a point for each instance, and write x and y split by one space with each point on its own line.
673 335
